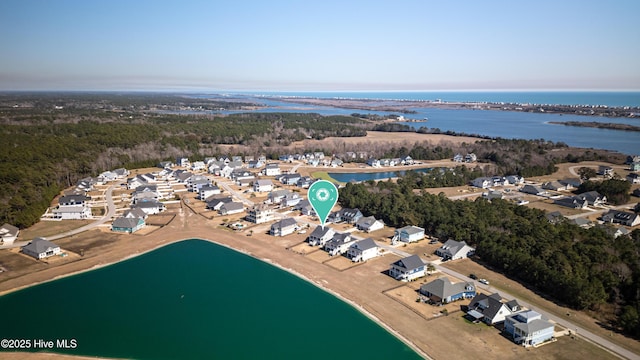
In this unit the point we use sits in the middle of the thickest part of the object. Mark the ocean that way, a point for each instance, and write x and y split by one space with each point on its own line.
608 98
195 300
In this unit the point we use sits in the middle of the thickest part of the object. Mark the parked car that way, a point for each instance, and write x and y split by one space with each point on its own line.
473 276
484 281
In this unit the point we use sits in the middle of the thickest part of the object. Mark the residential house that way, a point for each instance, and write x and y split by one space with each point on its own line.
215 203
248 158
195 182
347 215
182 162
369 224
236 158
107 176
320 235
305 182
272 169
183 176
572 202
528 328
408 234
515 179
127 224
582 222
454 250
231 208
305 208
493 194
442 290
633 178
362 250
72 207
482 182
407 160
284 227
276 196
336 162
339 244
291 199
534 190
408 268
8 234
605 170
40 248
554 185
198 166
290 179
491 309
286 158
207 191
86 184
635 166
458 158
150 207
246 181
374 162
621 217
470 157
593 198
571 183
554 217
165 164
259 214
262 185
255 164
134 213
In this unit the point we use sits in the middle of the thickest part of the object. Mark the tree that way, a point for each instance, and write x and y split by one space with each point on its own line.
587 173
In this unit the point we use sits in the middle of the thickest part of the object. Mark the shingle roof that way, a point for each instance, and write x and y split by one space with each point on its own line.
365 244
409 263
39 245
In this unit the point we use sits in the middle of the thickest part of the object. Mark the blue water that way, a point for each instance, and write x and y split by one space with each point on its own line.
504 124
608 98
195 300
357 177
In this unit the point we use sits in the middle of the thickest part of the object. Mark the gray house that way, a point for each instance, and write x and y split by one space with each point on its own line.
407 269
41 248
442 290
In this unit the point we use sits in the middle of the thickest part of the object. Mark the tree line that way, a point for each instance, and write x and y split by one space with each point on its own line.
582 268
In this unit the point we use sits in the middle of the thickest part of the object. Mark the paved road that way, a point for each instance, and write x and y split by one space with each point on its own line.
226 186
110 213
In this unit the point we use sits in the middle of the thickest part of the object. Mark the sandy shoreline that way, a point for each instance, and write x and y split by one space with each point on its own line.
174 233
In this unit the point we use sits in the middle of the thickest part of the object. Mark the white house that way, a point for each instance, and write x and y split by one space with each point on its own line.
369 224
262 185
41 248
363 250
207 191
491 309
8 234
259 214
408 234
150 207
284 227
198 166
454 250
407 269
339 244
528 328
72 207
272 169
320 236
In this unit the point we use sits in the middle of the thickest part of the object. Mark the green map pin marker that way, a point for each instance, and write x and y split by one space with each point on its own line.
323 195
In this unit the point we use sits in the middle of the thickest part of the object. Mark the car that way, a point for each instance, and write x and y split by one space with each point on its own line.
473 276
484 281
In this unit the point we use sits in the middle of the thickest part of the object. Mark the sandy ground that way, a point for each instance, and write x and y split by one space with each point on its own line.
376 137
364 286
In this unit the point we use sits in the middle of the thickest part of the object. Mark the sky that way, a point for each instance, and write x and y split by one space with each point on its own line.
326 45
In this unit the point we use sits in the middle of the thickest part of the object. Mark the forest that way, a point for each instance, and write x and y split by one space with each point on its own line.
582 268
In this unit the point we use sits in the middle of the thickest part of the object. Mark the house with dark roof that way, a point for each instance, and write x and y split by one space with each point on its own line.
150 207
127 224
408 268
215 203
572 202
40 248
284 227
320 235
554 217
350 216
339 244
593 198
491 309
289 179
528 328
262 185
362 250
534 190
621 217
442 290
454 250
408 234
231 208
